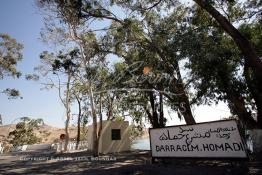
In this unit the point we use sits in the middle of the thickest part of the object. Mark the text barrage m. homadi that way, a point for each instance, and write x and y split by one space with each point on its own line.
204 147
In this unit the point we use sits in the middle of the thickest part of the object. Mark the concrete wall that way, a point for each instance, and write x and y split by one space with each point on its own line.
38 147
106 144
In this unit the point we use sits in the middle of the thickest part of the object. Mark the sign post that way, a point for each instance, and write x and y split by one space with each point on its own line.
219 139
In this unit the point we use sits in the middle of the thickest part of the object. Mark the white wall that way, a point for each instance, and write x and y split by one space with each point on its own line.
106 145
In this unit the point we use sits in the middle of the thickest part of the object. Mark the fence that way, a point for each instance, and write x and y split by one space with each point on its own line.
57 147
1 149
71 146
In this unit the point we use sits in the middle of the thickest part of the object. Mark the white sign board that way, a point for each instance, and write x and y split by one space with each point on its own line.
220 139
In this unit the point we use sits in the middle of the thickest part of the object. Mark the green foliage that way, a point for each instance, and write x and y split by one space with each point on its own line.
159 35
62 62
56 140
10 54
217 64
24 132
253 33
136 131
32 77
12 93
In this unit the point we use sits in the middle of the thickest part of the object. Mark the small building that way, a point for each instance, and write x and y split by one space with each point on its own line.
114 137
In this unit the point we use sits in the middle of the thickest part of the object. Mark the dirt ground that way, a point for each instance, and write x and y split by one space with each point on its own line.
128 163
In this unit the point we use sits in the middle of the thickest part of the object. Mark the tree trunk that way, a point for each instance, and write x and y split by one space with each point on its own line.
110 109
161 111
78 122
150 117
255 94
251 58
185 110
95 141
184 104
236 102
66 133
154 114
67 105
237 106
100 120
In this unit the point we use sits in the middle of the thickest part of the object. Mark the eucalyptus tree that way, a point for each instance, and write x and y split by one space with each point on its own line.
151 43
215 77
225 16
217 68
223 12
246 14
62 65
76 91
219 11
73 30
68 33
252 60
88 10
24 132
10 55
253 33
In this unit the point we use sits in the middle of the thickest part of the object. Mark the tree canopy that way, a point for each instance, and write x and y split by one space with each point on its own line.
163 37
10 54
24 132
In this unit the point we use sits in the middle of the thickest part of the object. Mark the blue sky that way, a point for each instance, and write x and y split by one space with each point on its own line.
20 20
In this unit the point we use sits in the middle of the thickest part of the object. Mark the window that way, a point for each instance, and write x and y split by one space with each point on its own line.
116 135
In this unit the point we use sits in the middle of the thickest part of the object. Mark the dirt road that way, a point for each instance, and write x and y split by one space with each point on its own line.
129 163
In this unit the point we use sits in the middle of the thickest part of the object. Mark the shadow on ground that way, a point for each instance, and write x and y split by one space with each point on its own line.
129 163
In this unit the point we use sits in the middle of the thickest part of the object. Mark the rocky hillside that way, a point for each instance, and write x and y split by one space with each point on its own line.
49 133
46 132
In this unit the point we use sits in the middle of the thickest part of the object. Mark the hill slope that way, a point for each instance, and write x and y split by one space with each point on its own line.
46 132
